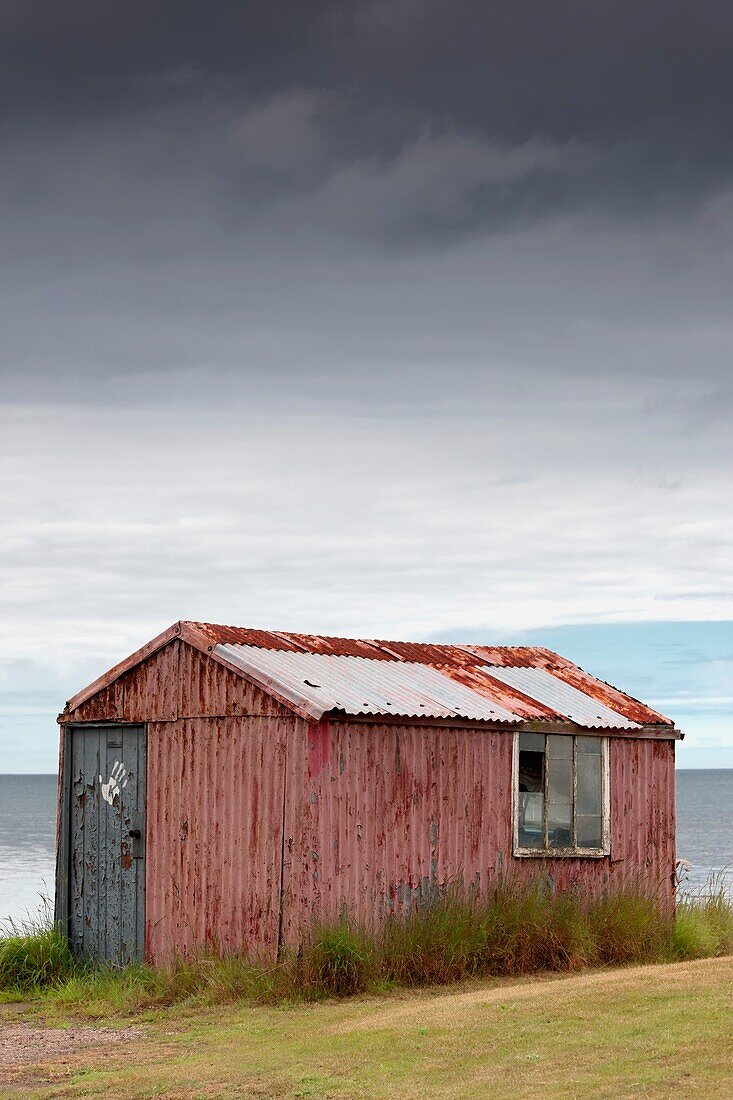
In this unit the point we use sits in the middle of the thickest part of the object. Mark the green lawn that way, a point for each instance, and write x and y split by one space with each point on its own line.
659 1031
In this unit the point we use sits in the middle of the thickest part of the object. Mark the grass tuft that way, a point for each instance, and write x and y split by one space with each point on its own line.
704 924
35 957
337 960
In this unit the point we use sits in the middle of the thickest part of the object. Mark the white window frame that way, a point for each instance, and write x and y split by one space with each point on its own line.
563 853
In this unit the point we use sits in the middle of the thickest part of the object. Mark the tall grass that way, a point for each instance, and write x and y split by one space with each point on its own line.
519 930
515 929
33 955
704 924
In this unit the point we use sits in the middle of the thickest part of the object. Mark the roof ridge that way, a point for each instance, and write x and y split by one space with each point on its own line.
378 643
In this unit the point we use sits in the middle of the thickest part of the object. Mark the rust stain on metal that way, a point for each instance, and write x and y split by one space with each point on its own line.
462 663
319 748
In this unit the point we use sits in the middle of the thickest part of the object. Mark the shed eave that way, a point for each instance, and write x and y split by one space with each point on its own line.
657 733
189 633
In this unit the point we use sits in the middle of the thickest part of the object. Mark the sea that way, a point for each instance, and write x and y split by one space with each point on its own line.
28 836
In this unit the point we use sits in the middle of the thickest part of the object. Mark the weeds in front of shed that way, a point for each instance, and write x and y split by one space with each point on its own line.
447 937
704 922
100 991
628 927
338 960
519 929
33 955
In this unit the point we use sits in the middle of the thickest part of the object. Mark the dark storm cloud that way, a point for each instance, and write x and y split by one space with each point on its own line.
645 88
566 69
283 186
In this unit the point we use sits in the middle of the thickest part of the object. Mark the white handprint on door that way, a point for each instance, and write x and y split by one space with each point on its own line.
116 782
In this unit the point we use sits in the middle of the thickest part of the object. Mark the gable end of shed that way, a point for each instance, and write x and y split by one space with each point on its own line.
179 678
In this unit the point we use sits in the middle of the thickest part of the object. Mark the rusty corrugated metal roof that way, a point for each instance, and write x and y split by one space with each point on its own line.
584 710
362 685
507 684
369 676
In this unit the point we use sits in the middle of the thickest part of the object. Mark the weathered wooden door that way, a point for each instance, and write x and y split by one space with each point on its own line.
106 905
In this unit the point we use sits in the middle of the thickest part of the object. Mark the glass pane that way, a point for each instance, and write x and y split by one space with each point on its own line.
590 746
560 797
534 742
590 834
560 781
589 785
560 825
531 824
560 746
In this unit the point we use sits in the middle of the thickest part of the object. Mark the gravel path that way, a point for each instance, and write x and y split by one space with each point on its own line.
28 1044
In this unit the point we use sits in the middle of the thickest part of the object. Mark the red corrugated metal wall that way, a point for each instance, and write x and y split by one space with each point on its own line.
643 810
376 813
215 791
372 813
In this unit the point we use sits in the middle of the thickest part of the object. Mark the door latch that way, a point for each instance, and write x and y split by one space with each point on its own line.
137 834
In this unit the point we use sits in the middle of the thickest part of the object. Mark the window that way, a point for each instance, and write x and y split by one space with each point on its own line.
560 795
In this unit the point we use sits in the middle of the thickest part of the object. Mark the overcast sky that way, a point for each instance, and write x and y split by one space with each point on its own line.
394 318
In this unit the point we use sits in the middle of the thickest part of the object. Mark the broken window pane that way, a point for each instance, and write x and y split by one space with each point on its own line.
533 742
531 801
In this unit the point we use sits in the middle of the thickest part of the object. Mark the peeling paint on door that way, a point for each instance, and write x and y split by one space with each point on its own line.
107 872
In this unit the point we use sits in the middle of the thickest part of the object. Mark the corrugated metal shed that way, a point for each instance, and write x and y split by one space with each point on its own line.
294 777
